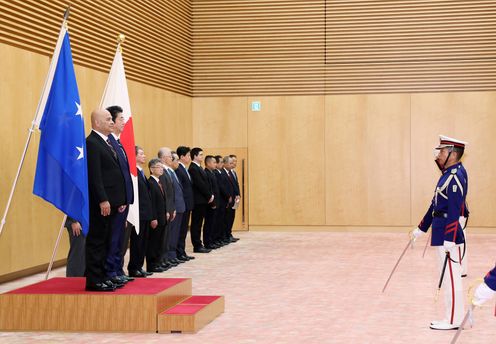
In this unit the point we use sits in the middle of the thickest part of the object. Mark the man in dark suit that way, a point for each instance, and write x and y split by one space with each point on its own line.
237 190
165 156
175 225
107 192
228 197
185 180
77 242
230 210
153 253
115 256
222 202
203 196
138 242
211 226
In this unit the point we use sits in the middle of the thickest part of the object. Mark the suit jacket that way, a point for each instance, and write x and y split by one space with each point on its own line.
145 198
158 202
202 191
124 165
105 179
178 194
215 187
236 182
166 181
187 185
226 189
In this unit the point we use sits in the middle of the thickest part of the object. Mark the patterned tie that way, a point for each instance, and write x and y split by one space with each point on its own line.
114 153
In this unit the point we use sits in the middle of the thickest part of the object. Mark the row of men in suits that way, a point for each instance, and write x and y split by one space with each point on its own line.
111 192
168 198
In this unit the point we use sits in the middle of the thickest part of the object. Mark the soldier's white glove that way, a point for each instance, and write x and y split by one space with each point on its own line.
463 221
482 294
448 245
416 233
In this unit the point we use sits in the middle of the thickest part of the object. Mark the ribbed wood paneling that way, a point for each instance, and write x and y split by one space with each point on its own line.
243 47
157 50
410 45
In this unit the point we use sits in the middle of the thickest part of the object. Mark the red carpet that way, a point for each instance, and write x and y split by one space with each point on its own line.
199 300
184 309
76 285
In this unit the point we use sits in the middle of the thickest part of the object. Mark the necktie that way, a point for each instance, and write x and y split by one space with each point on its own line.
114 153
161 188
122 149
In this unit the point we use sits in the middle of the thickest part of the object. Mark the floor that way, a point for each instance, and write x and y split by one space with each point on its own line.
312 287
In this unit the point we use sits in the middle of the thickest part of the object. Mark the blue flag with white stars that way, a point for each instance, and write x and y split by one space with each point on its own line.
61 171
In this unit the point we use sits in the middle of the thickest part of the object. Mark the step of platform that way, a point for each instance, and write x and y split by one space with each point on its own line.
190 315
62 304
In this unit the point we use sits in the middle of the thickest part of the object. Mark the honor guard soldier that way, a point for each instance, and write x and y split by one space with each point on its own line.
447 206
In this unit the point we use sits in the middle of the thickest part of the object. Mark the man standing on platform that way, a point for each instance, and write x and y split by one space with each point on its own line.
155 237
210 230
187 185
175 225
107 190
75 257
447 234
203 196
115 257
231 213
138 242
165 156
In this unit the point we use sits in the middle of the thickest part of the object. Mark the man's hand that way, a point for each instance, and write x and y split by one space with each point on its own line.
154 224
211 199
105 208
448 245
173 216
416 233
482 294
76 229
167 215
121 208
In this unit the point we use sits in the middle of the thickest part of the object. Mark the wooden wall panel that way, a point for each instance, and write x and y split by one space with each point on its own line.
32 225
160 118
286 167
277 47
220 122
157 48
470 117
368 160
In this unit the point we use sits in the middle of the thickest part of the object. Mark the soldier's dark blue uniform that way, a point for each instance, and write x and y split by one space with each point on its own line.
447 205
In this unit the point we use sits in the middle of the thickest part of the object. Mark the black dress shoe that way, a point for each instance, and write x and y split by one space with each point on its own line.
136 273
190 257
98 287
211 247
185 258
201 250
233 239
172 263
118 280
114 285
155 269
145 272
181 260
127 278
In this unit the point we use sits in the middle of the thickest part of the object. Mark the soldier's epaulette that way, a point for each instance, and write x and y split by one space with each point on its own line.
454 170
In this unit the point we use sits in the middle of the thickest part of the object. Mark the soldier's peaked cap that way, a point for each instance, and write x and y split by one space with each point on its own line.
446 141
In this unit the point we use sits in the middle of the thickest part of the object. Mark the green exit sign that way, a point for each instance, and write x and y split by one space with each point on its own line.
256 105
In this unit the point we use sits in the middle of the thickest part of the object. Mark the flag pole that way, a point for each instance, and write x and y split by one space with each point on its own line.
56 247
30 134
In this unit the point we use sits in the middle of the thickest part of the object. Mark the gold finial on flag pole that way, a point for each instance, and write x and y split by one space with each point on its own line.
120 39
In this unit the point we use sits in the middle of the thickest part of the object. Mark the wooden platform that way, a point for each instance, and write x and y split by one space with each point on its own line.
190 315
62 304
